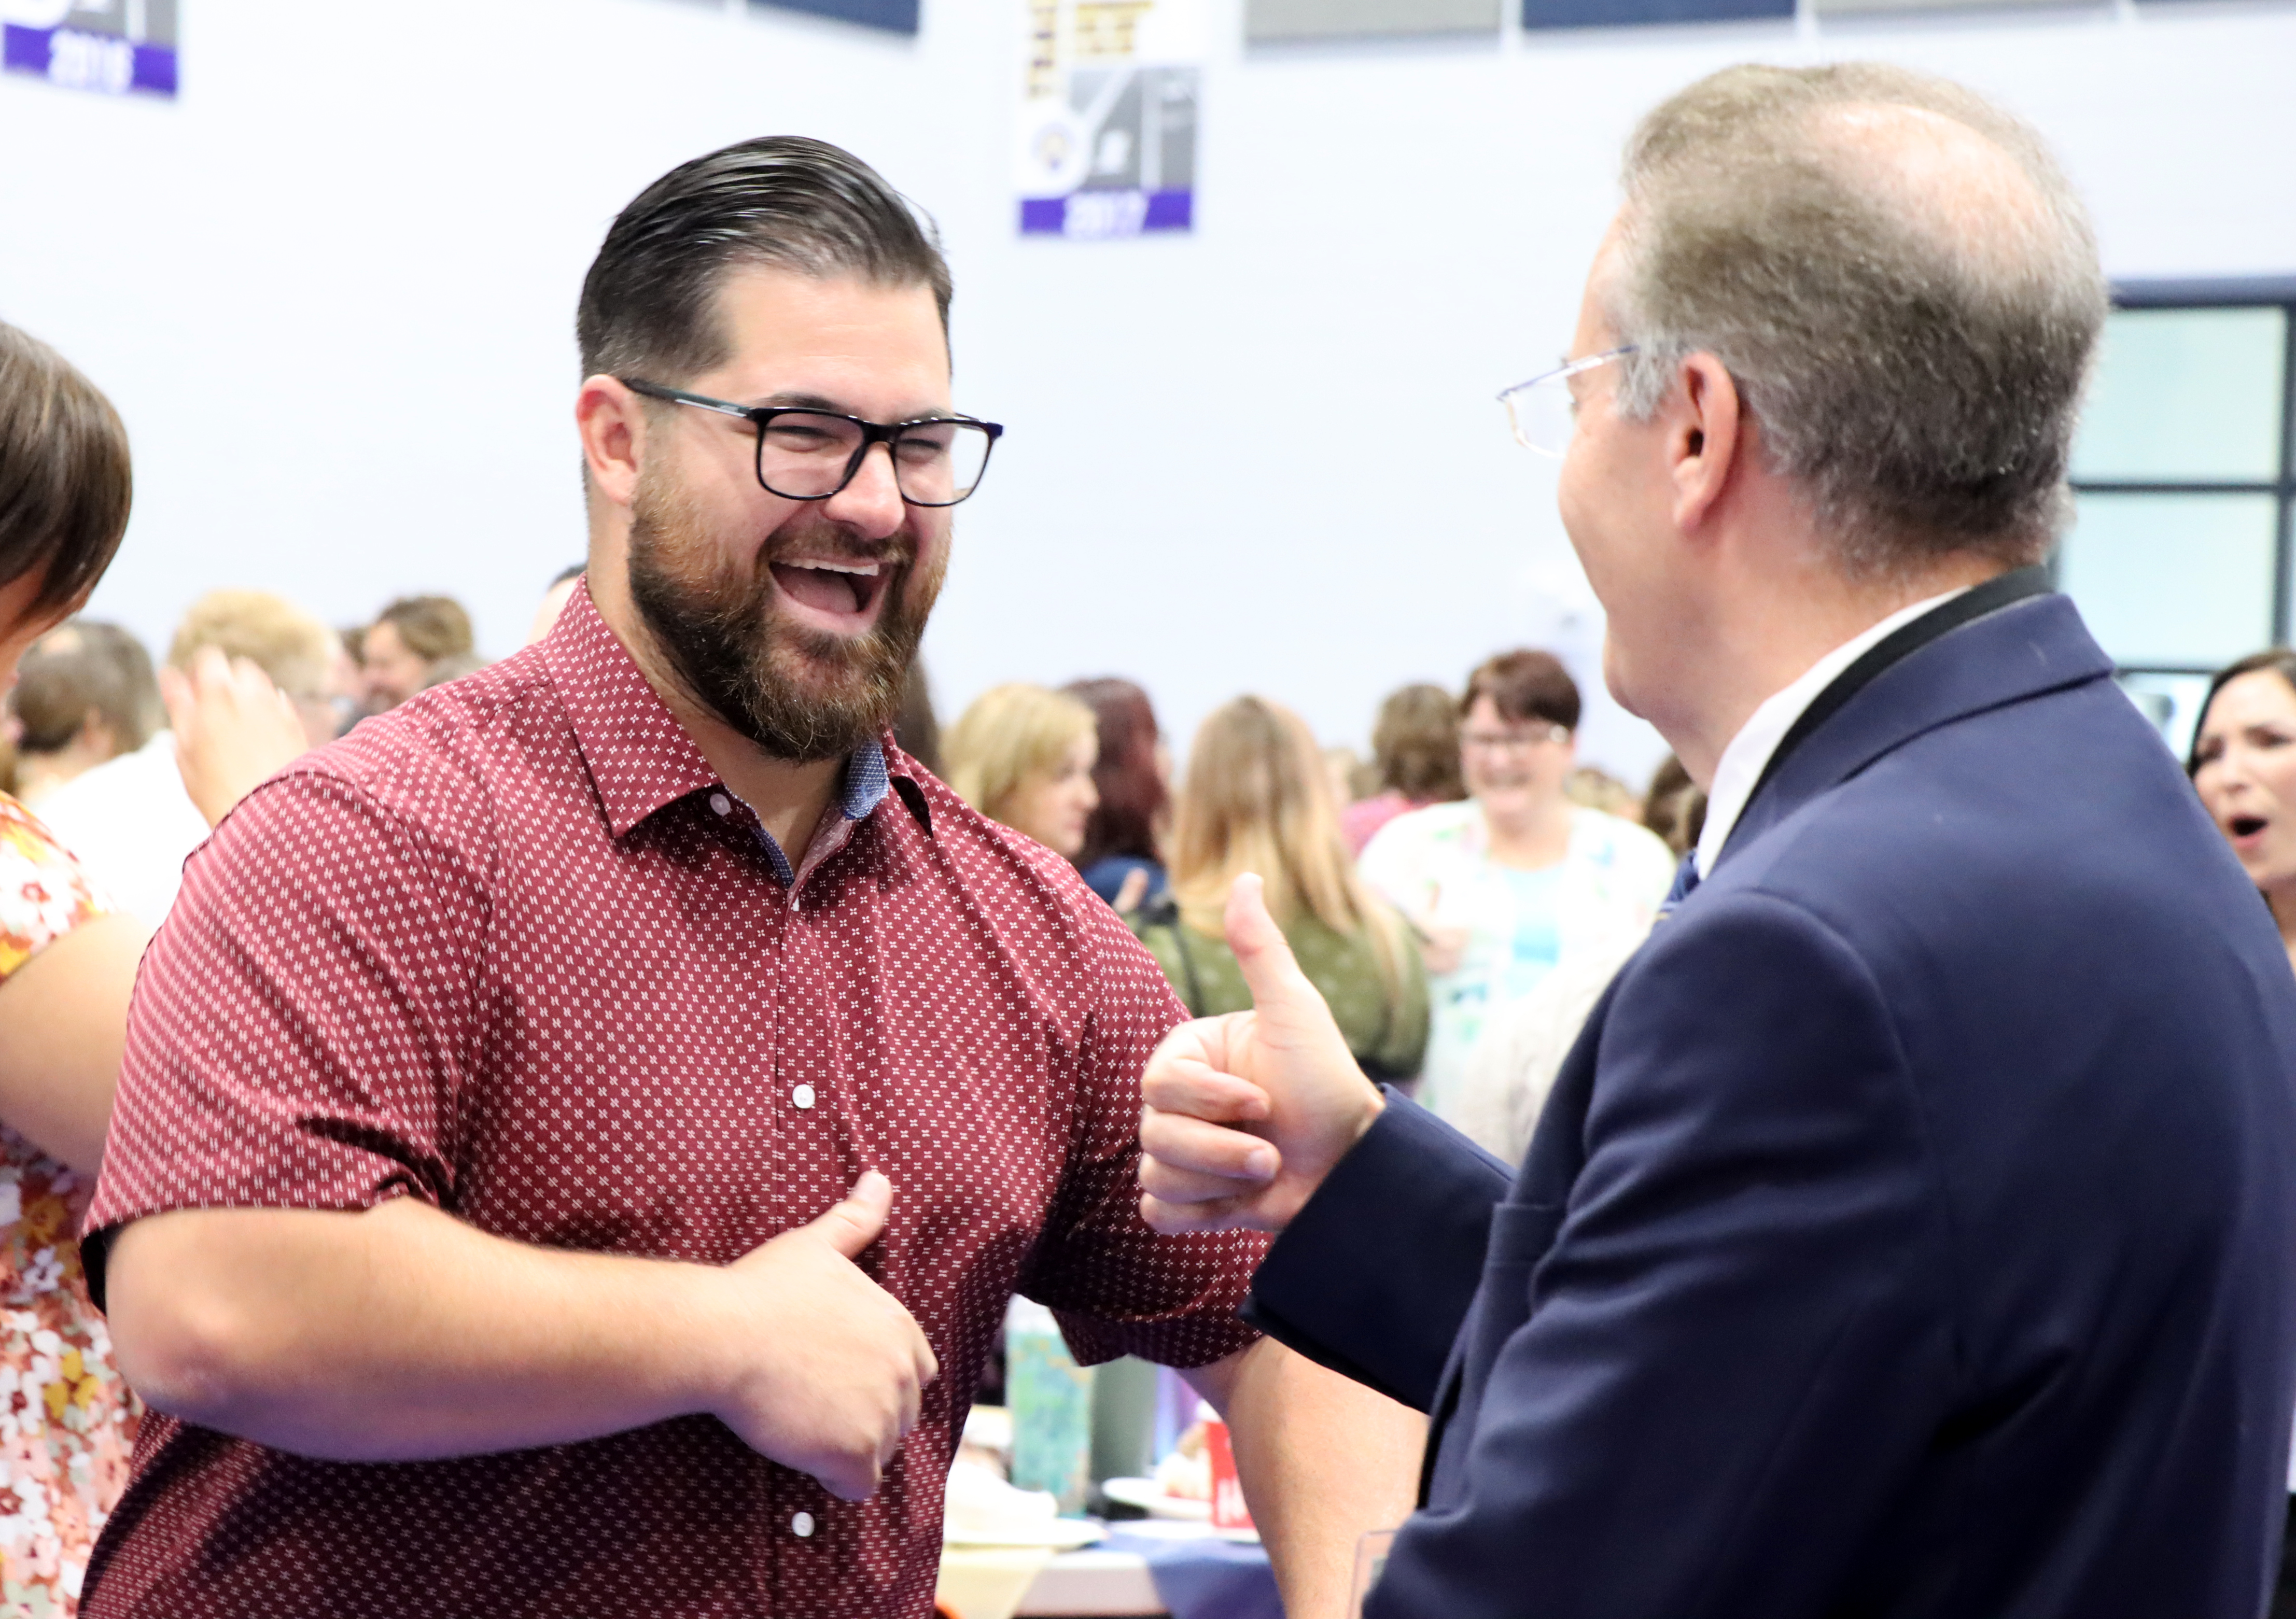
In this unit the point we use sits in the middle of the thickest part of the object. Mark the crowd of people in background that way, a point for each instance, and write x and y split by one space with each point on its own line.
1460 899
1461 896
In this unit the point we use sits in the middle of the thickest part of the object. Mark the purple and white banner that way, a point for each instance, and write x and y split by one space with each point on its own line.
1107 130
110 46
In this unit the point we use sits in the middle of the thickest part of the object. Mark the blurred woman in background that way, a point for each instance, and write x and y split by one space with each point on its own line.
2243 767
1516 881
1415 747
1514 1068
1256 798
1023 756
1123 858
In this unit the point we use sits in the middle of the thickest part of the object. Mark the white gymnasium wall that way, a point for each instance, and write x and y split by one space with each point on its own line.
331 288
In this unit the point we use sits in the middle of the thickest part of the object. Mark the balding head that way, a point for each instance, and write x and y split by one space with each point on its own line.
1901 282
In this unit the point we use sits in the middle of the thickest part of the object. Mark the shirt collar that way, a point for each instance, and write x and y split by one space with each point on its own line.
1749 752
639 756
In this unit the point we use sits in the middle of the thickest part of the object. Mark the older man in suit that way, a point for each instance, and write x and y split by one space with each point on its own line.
1910 1231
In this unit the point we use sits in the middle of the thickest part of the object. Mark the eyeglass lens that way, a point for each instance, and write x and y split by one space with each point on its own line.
803 456
1507 741
1543 414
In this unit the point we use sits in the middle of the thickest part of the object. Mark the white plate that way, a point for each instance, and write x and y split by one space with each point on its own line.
1060 1534
1149 1496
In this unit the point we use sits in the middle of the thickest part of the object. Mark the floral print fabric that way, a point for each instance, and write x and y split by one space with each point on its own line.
67 1422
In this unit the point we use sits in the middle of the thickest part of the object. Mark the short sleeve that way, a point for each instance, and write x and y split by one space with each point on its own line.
43 893
300 1029
1116 1287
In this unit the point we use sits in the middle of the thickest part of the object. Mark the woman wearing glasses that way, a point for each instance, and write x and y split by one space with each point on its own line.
1516 879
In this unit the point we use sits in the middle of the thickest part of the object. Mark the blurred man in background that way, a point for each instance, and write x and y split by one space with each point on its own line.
133 820
85 695
407 642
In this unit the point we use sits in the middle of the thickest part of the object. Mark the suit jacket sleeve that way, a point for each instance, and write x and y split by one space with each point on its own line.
1694 1397
1374 1276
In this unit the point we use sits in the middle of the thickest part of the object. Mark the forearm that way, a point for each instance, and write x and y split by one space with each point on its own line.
400 1333
63 1023
1323 1461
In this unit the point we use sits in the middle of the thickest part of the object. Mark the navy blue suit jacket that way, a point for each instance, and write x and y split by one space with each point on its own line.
1910 1231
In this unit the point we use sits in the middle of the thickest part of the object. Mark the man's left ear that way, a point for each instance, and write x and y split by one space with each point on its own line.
1707 435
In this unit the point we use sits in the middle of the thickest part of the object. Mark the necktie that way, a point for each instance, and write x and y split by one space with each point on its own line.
1685 881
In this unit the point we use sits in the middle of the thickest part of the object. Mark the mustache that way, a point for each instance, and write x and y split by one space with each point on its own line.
836 543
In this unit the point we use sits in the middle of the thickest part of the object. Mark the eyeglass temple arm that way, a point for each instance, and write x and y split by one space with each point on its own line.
678 395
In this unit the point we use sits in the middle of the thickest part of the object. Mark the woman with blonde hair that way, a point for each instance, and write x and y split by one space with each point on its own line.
1258 799
1023 756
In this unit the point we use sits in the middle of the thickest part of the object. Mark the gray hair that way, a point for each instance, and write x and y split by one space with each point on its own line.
1912 352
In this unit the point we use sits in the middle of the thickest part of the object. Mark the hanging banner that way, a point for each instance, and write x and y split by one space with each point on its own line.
112 46
1108 117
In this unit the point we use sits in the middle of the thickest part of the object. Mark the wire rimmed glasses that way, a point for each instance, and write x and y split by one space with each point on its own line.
806 455
1543 412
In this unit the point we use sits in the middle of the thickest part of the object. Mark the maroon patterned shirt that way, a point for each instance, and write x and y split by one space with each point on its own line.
514 950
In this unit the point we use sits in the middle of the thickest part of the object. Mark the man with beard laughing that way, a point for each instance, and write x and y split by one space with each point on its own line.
582 1132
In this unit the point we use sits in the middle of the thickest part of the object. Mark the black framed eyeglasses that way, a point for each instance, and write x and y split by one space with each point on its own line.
809 456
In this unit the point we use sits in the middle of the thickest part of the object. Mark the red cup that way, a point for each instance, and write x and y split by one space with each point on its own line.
1228 1510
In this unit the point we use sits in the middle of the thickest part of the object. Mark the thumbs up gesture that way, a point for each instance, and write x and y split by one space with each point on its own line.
1246 1114
822 1369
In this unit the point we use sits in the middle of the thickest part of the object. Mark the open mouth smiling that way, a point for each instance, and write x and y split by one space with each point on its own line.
843 591
2246 826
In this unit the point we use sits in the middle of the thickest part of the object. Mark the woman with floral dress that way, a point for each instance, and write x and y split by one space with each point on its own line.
67 968
67 1422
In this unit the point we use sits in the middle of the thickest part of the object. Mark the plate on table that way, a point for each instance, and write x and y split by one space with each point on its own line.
1058 1533
1148 1495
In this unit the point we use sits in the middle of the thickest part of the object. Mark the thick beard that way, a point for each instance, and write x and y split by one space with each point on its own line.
800 694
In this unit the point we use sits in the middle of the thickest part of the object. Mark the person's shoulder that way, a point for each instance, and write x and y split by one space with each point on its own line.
461 732
441 767
131 823
2057 829
128 779
988 859
1430 827
1612 840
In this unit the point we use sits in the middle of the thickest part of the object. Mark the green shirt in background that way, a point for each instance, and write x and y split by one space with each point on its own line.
1388 1035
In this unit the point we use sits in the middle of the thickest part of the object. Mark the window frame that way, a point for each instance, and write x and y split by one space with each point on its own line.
2237 292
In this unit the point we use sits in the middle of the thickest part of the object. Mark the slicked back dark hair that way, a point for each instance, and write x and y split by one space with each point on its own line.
784 201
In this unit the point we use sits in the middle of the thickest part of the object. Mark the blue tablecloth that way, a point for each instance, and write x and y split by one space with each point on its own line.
1205 1577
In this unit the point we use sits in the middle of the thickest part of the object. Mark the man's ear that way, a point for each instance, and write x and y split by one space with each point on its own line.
1706 436
612 420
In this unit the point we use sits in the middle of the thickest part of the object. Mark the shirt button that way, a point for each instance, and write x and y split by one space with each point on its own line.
801 1525
721 803
803 1097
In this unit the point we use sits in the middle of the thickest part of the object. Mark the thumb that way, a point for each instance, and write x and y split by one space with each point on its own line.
855 1224
1270 969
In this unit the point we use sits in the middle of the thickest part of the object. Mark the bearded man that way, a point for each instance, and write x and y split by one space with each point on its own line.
580 1133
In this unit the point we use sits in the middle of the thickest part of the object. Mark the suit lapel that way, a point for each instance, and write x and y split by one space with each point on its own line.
2002 654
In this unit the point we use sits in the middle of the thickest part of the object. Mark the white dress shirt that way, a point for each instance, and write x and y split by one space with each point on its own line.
1749 752
131 825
